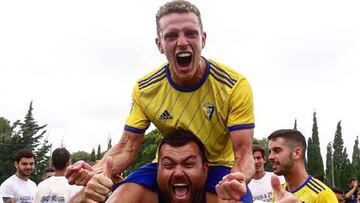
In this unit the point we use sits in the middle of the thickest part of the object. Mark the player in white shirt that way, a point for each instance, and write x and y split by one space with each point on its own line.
260 185
56 189
18 188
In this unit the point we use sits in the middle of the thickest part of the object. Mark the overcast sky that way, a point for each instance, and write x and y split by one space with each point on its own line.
79 60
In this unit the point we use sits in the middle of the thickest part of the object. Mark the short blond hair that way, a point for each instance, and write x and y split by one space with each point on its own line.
177 6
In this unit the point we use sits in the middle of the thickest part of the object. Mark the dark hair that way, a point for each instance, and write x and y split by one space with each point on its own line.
337 190
177 6
293 137
258 148
25 153
181 138
60 158
352 179
49 169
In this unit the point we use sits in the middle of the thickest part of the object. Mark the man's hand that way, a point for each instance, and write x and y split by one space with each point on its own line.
231 187
79 173
280 195
100 185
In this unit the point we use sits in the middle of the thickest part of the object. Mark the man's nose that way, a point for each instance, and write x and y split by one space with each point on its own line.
179 171
182 41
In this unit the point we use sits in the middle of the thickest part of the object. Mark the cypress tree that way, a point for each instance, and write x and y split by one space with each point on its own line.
329 165
355 164
340 159
315 163
98 155
93 156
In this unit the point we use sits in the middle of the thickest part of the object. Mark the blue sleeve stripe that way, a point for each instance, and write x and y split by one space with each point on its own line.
241 127
134 130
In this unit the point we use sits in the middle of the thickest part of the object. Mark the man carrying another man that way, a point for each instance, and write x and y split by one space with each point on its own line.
202 96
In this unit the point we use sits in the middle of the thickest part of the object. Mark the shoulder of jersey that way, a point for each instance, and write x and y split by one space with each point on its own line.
152 78
224 74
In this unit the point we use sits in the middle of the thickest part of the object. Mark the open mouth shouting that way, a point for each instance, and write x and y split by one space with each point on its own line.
181 191
184 59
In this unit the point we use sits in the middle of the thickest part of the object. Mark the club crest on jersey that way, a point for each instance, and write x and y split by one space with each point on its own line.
209 110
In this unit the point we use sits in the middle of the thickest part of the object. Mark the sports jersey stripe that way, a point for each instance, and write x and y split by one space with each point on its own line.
241 127
159 72
153 96
212 69
220 80
224 146
184 109
177 97
314 189
197 109
223 71
163 101
223 103
134 130
312 183
152 82
318 184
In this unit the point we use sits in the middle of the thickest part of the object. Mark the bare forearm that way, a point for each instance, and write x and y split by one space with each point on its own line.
244 163
350 193
123 153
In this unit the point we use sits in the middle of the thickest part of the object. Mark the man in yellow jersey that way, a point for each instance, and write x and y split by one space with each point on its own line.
287 155
189 92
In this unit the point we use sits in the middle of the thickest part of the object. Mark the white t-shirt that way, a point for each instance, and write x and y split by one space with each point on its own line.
261 189
55 189
23 191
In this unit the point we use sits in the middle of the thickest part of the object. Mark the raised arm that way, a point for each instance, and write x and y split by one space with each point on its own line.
244 161
123 154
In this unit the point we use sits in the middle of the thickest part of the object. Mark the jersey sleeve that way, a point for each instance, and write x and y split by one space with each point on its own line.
326 196
137 121
6 190
241 107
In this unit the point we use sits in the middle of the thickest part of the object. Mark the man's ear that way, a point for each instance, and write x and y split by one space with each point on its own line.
203 39
298 153
206 168
158 44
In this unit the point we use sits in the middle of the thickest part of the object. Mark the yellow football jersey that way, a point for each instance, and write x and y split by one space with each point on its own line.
314 191
221 102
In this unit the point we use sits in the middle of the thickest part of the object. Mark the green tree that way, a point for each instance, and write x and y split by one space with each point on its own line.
147 151
314 158
25 135
92 156
340 160
98 155
109 145
5 128
355 164
80 155
32 136
329 165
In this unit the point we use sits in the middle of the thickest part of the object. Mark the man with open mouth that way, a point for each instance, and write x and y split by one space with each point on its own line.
287 155
189 92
